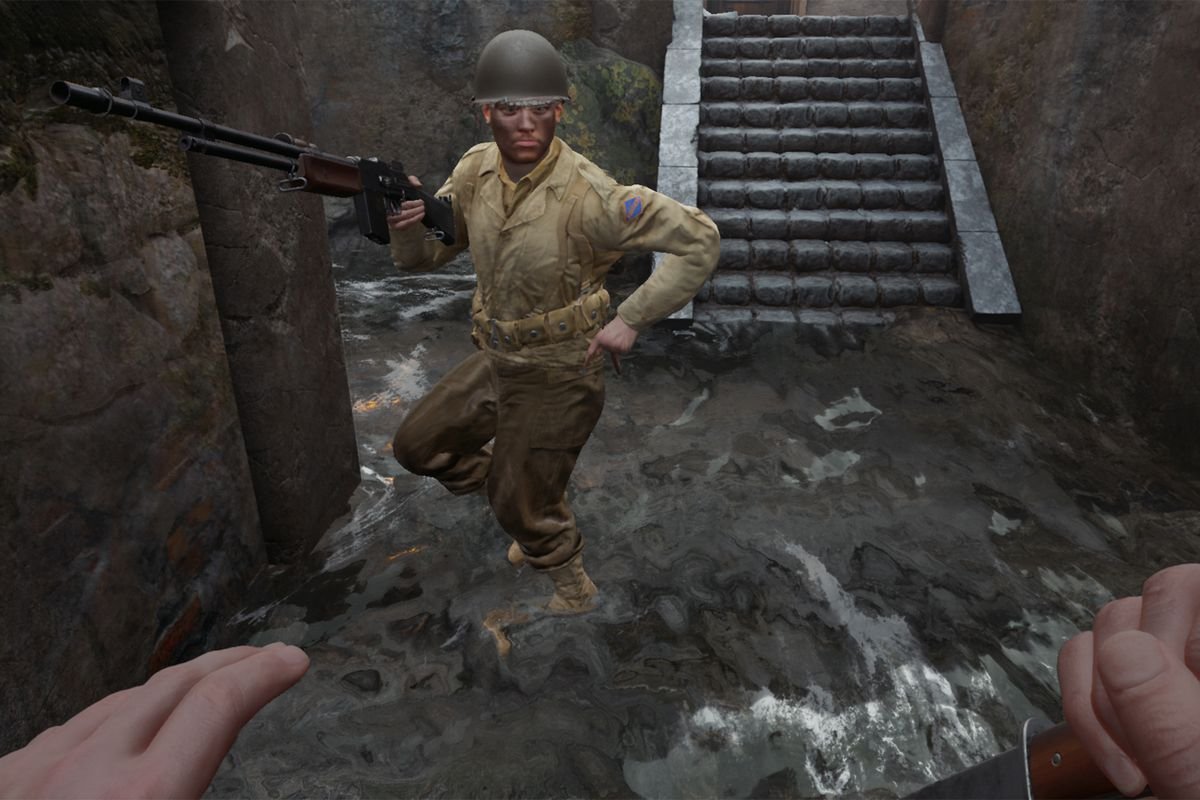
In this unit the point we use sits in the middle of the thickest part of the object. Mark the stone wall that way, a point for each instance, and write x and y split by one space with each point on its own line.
1086 124
394 79
125 508
126 523
269 257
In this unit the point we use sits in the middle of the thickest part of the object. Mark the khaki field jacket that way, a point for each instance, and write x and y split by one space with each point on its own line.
540 294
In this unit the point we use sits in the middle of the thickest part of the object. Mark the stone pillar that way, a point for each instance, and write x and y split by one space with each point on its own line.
127 525
237 63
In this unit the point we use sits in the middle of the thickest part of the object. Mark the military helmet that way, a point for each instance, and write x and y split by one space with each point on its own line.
520 68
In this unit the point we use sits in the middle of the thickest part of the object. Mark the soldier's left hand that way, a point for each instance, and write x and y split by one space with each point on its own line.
165 738
617 338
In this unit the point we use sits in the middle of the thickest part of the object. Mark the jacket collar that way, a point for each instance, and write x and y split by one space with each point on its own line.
560 174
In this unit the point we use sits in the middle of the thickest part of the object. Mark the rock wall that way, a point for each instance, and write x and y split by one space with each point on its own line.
269 258
127 527
1086 124
124 476
404 92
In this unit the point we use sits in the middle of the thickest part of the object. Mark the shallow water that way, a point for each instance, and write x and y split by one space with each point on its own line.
833 562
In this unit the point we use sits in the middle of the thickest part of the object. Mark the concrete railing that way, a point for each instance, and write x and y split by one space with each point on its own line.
988 289
677 161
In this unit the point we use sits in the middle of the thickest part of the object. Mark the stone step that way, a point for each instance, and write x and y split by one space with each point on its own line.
787 90
802 166
830 319
734 24
840 225
809 195
814 255
808 47
838 289
812 114
889 141
809 68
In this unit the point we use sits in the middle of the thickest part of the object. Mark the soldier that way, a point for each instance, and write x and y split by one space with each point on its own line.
544 225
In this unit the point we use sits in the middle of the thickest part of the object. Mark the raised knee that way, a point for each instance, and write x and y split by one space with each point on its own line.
407 451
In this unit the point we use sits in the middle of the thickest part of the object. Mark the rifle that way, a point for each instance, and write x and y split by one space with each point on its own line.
377 187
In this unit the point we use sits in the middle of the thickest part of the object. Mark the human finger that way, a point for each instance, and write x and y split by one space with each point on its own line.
23 771
406 219
593 348
132 726
414 180
204 726
1115 617
1076 671
616 362
1171 606
1158 700
62 738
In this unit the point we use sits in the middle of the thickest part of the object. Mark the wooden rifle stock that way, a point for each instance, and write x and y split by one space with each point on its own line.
1059 766
1049 763
329 176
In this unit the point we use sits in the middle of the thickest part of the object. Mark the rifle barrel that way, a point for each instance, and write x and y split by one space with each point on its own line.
194 144
103 102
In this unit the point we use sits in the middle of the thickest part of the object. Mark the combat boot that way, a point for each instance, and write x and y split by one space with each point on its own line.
574 591
516 556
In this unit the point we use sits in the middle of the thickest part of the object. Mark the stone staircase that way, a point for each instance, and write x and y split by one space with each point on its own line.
818 164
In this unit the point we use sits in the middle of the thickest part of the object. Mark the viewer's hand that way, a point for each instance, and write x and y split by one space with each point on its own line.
165 738
617 338
411 211
1130 688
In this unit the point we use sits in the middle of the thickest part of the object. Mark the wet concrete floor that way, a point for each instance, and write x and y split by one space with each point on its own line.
833 562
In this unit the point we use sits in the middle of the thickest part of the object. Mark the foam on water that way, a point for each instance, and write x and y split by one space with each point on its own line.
835 747
852 404
370 517
833 465
690 411
1002 525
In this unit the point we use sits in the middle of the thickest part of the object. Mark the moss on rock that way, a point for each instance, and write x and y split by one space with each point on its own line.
613 116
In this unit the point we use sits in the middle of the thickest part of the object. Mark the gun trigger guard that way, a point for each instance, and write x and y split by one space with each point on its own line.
293 184
434 235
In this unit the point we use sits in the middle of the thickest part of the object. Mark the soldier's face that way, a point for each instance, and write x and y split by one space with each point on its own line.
523 133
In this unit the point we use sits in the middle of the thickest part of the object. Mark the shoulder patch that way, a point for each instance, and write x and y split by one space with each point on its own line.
631 207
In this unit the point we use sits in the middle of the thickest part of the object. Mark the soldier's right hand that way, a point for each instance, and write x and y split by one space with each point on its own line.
411 211
1131 686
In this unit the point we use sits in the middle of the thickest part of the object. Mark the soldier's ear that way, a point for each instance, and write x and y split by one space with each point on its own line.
558 111
487 113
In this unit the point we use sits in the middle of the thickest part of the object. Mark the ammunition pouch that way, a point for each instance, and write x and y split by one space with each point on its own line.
588 313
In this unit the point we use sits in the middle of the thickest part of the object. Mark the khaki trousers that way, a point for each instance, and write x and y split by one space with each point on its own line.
540 419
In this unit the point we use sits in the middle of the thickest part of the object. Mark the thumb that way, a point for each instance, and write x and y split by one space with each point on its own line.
591 351
1157 699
